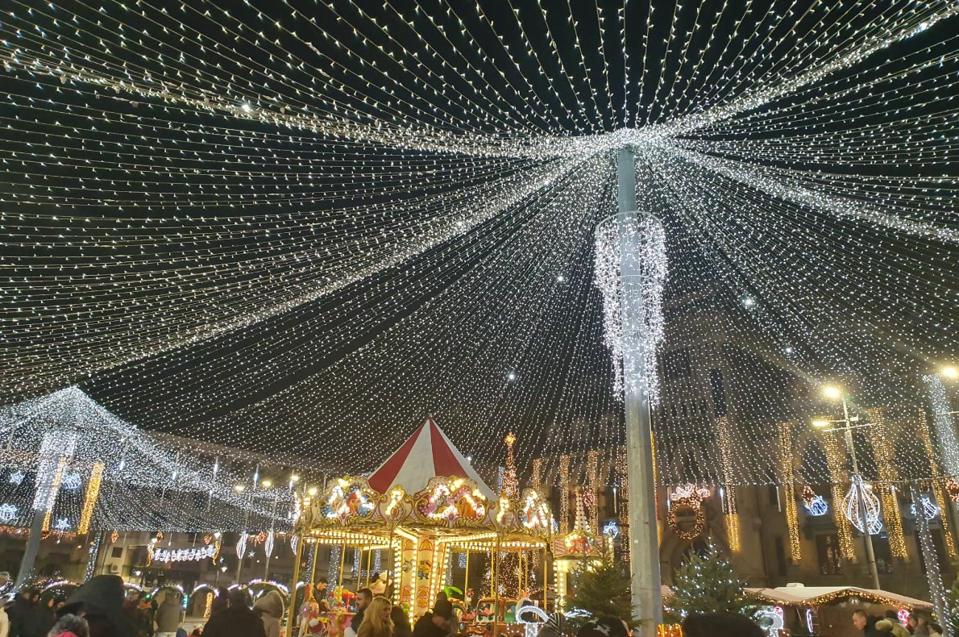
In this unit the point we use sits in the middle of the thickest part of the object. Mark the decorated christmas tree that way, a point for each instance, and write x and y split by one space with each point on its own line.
603 591
708 584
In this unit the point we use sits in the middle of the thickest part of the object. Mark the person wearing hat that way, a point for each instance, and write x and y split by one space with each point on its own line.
435 623
100 603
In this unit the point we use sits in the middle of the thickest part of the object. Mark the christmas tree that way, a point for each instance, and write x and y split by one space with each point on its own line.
952 608
708 584
603 591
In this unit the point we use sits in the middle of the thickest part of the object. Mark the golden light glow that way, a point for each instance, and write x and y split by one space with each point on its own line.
820 423
312 492
949 371
267 483
239 488
832 392
90 502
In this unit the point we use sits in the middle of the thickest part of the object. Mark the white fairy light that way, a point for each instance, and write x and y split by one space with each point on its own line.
642 242
238 225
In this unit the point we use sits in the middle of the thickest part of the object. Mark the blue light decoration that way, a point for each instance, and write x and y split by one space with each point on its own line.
611 529
816 506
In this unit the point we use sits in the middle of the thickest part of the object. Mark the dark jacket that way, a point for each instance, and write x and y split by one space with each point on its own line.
426 628
401 624
357 620
19 614
101 602
236 621
39 621
870 630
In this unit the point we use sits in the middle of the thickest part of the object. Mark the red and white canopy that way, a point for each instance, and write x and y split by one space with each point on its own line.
426 454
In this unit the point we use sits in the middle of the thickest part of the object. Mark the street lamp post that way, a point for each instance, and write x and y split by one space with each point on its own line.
831 391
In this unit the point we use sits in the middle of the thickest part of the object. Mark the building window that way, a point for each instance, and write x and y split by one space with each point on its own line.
780 556
880 545
827 554
117 551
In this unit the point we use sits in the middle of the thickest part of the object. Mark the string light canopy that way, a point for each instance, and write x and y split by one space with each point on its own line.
131 480
303 226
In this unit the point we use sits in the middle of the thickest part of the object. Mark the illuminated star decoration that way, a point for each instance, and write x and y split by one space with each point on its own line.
16 477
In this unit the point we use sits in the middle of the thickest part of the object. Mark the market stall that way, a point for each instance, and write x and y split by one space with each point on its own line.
826 610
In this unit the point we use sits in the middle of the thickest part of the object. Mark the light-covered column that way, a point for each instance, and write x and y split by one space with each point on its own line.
631 271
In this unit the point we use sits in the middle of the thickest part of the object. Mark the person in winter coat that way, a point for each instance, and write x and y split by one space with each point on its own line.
865 622
270 609
41 619
70 626
20 612
220 602
236 621
100 603
889 628
376 620
168 616
435 623
401 623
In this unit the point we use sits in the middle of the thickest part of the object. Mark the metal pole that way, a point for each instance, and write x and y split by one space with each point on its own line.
266 568
645 577
291 611
33 547
466 575
545 580
870 553
369 563
495 591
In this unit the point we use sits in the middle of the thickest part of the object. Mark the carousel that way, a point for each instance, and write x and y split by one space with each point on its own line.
424 503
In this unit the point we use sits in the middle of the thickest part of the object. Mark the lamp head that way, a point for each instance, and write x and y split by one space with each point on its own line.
832 392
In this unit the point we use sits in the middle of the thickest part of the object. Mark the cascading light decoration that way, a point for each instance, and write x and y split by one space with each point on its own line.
632 304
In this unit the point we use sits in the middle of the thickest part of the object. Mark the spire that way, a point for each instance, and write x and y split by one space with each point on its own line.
580 523
510 481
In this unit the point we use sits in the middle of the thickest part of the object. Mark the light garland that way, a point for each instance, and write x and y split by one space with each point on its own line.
892 515
689 506
90 501
236 224
836 459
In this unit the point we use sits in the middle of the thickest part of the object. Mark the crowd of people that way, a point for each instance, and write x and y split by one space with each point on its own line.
100 608
889 625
